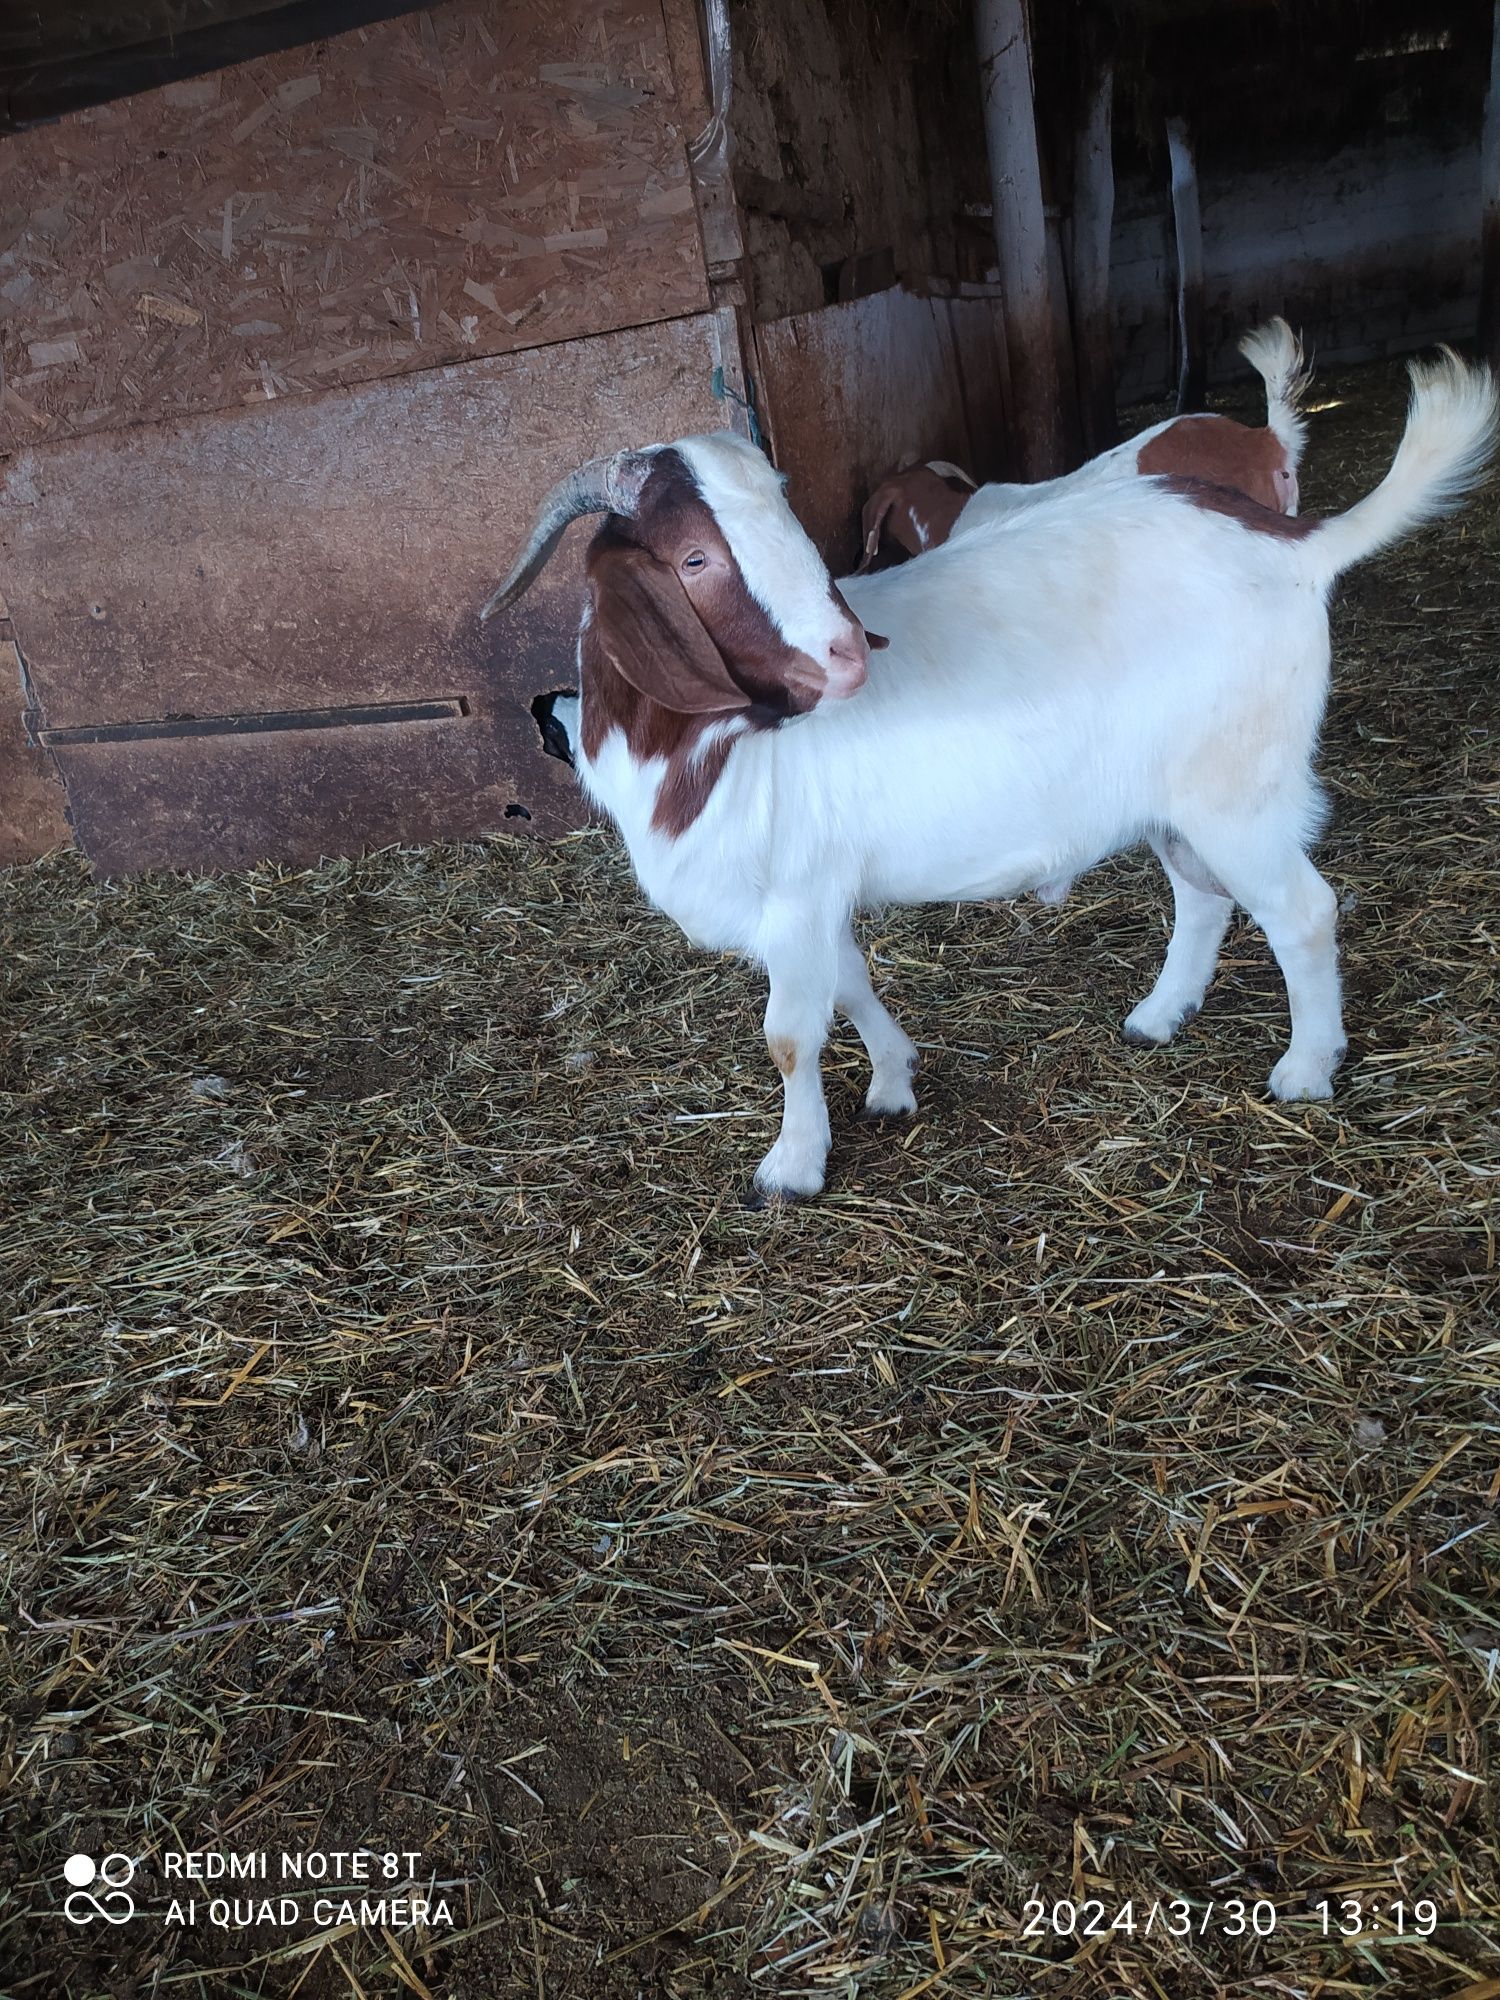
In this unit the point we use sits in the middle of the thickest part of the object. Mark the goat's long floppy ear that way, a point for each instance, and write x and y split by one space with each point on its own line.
872 521
649 631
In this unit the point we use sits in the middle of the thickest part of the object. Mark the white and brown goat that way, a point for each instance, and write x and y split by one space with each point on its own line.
1135 659
920 507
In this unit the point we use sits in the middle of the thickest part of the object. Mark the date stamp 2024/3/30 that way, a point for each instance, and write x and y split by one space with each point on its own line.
1331 1916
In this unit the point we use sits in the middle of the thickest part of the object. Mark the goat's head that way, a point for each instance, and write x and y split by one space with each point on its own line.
706 594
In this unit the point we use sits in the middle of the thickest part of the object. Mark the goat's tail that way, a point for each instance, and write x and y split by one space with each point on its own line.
1275 353
1450 435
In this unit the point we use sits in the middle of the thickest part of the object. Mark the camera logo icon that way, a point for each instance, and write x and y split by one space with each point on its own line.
115 1872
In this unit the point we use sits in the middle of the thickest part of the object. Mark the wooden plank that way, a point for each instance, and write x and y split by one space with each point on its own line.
1093 224
1005 73
472 180
79 57
1377 247
1489 196
1187 224
323 553
33 815
854 390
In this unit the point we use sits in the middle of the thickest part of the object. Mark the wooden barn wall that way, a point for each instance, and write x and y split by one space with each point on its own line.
1372 251
834 159
33 807
474 179
287 661
856 389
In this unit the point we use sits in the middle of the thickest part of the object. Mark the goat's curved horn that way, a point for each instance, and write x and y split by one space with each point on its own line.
603 486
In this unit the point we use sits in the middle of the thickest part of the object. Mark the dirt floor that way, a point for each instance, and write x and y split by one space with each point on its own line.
409 1442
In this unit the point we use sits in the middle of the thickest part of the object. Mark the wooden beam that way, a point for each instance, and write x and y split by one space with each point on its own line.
1092 234
1187 221
33 93
1004 47
1489 181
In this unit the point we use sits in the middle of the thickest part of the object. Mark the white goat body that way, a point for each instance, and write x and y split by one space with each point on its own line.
1113 662
1263 463
920 506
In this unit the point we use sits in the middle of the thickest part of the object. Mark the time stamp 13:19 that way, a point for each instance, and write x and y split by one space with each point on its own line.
1328 1916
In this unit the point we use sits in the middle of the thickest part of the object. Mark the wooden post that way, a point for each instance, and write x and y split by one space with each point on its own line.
1020 232
1187 220
1489 194
1093 228
1069 427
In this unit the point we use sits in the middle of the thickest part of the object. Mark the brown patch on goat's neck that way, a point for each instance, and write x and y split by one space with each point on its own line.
1238 457
1214 499
609 702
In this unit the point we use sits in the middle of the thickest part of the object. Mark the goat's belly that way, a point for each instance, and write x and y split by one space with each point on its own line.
1004 884
980 823
938 871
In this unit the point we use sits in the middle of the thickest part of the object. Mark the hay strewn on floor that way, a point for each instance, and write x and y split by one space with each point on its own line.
408 1440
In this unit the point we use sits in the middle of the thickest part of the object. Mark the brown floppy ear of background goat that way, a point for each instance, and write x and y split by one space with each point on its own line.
916 507
646 627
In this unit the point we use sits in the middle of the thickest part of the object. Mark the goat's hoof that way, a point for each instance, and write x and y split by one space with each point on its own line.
1145 1029
886 1114
1300 1080
894 1100
760 1199
788 1174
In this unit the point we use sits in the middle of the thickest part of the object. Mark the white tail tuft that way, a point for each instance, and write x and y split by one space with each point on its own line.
1275 353
1450 437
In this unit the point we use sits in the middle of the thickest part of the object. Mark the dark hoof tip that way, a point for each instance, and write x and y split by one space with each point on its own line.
1136 1039
760 1199
865 1116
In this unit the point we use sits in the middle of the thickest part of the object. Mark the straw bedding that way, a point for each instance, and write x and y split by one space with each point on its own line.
408 1440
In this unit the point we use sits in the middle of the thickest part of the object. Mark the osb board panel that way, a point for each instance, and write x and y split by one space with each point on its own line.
33 817
467 181
324 553
854 390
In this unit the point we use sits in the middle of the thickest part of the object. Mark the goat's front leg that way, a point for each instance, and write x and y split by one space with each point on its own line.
892 1053
800 950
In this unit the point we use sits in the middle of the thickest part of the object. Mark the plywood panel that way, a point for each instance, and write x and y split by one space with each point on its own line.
857 389
470 180
33 816
310 556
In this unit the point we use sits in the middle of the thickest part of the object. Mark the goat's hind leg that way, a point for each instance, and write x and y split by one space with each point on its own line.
1265 869
1201 913
892 1053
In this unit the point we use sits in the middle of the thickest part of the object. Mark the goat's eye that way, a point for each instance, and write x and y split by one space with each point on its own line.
694 560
